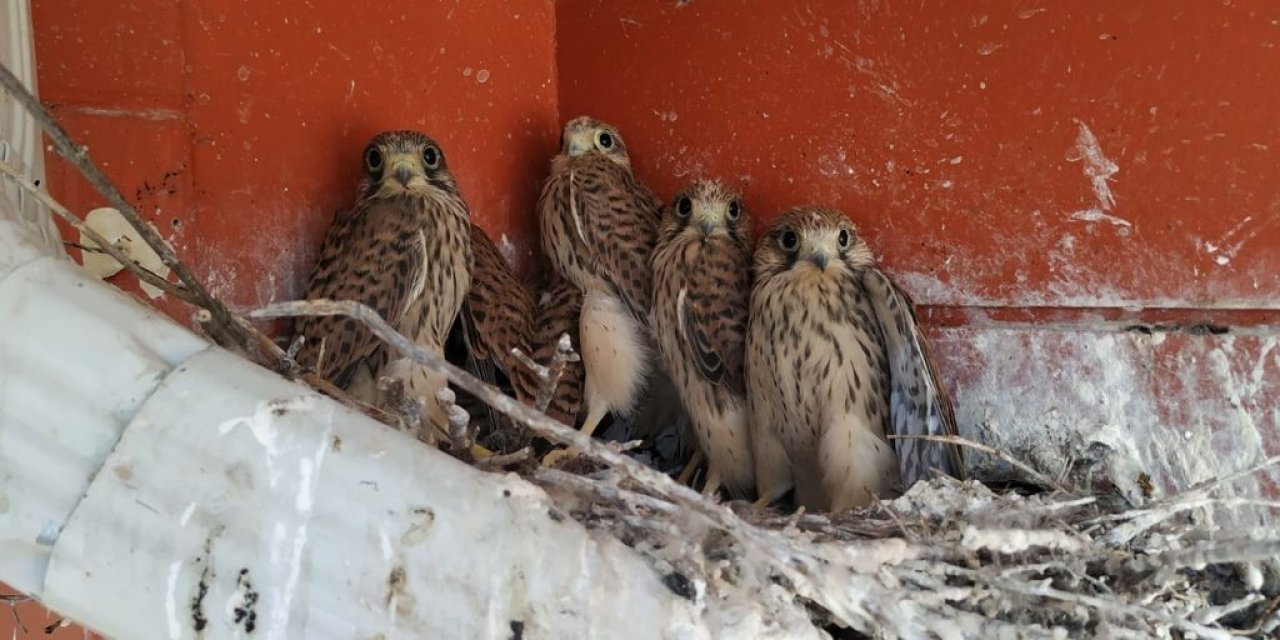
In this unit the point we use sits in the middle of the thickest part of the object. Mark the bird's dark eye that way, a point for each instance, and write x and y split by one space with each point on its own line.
604 140
431 157
735 210
684 207
373 159
844 238
789 240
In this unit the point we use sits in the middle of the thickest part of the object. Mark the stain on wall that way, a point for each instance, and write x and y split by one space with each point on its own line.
1086 154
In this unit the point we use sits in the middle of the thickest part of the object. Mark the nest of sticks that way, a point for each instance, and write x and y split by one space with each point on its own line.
1039 557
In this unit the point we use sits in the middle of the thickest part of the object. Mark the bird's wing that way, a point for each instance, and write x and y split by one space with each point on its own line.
713 321
558 312
494 319
918 401
498 305
619 219
374 256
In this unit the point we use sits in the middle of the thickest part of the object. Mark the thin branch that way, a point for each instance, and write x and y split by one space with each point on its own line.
286 366
1105 605
84 248
13 601
963 442
459 422
1267 612
549 375
225 330
535 420
498 461
146 275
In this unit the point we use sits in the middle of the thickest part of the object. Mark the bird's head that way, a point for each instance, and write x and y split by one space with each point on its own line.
708 208
400 162
813 240
584 135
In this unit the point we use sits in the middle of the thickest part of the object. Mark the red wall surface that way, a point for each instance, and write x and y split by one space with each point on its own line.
1039 175
238 126
951 133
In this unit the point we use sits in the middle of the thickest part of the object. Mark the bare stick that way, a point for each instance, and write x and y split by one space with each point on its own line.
537 421
963 442
225 330
459 421
549 375
498 461
271 353
798 562
144 274
1269 611
607 490
1104 605
13 601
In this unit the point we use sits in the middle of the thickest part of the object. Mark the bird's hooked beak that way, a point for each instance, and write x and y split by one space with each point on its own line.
819 258
404 168
580 141
706 218
706 221
821 253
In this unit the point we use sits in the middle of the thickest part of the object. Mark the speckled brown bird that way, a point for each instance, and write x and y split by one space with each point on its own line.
497 317
835 363
599 226
558 311
701 294
403 250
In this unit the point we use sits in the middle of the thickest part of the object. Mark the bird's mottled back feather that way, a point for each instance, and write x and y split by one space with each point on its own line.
403 251
714 274
918 402
499 309
600 226
558 309
365 258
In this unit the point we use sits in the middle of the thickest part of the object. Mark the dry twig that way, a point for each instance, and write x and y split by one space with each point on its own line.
236 332
1044 480
548 375
143 274
224 329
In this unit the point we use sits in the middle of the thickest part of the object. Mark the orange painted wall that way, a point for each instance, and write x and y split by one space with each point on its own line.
251 116
951 132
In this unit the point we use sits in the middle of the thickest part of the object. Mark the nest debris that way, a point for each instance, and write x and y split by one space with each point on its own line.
956 559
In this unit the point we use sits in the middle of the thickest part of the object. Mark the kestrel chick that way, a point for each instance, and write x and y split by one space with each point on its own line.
558 312
702 289
835 363
599 226
496 317
405 251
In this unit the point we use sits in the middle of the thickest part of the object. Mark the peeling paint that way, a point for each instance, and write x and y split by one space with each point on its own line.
1223 249
1098 215
1097 167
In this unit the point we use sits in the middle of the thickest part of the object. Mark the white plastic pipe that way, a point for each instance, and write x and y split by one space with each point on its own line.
19 134
153 486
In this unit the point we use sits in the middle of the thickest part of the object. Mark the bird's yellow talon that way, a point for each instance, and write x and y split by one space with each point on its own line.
554 458
690 469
